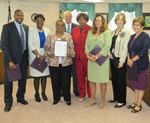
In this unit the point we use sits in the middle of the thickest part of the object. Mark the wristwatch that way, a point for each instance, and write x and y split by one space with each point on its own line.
38 55
96 57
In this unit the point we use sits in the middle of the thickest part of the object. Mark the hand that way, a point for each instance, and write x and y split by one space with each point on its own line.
51 55
93 58
120 65
69 55
130 63
110 56
42 58
12 65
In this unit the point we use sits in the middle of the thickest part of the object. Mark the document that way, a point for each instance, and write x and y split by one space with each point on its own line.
61 48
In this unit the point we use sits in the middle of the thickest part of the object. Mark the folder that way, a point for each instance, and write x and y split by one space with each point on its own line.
13 74
115 61
100 60
38 65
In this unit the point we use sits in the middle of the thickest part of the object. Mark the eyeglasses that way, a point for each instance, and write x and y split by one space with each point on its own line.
59 25
136 25
98 20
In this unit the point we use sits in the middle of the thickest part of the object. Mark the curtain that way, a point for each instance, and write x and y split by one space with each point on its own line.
129 19
129 7
83 7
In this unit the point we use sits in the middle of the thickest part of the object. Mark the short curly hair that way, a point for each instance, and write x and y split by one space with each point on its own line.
140 20
39 16
85 16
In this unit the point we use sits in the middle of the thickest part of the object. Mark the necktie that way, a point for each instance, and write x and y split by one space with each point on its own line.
69 29
22 37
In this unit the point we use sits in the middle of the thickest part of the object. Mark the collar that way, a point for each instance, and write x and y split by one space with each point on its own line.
17 23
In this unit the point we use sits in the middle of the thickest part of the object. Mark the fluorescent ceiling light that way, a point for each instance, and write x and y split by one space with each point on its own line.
94 0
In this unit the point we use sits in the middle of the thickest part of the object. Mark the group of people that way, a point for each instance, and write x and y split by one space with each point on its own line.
122 48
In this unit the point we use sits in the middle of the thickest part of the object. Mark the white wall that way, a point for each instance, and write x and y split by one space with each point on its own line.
48 9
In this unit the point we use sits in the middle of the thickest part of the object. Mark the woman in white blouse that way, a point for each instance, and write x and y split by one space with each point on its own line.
37 37
120 39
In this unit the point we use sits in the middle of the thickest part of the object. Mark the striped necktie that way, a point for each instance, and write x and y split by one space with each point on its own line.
68 30
22 37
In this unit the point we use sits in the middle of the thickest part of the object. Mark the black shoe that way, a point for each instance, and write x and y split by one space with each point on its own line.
112 101
131 107
119 106
24 102
136 111
37 97
55 102
68 103
7 108
76 94
44 97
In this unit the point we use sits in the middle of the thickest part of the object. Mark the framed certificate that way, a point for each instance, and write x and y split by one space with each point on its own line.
60 48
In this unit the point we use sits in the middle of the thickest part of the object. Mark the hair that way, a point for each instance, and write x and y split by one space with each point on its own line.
123 17
18 10
67 12
59 20
103 27
39 16
85 16
140 20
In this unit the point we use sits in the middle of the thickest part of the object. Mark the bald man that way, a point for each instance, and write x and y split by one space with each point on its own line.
68 28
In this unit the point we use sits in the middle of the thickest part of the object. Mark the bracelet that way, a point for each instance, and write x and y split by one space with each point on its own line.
38 55
132 60
96 57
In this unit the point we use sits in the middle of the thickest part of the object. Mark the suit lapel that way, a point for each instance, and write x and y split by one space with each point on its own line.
16 31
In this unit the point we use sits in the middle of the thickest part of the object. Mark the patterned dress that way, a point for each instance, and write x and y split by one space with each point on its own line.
142 77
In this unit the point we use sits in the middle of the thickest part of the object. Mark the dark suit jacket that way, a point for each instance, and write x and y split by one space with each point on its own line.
140 48
11 43
72 26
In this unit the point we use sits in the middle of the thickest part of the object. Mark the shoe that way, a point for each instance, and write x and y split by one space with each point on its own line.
89 104
76 94
55 102
101 106
112 101
7 108
81 99
131 107
119 105
135 110
68 103
37 97
24 102
44 97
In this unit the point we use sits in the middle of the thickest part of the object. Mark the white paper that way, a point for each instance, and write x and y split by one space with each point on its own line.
61 48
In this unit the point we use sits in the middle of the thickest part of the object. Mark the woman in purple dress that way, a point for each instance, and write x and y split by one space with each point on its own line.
138 56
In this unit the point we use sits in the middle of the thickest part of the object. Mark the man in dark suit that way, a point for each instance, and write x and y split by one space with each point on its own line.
15 48
68 27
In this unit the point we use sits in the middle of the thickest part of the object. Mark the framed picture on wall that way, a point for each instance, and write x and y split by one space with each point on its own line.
147 21
104 14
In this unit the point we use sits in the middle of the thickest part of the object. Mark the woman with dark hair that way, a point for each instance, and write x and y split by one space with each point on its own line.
101 36
37 38
79 35
120 39
60 67
138 56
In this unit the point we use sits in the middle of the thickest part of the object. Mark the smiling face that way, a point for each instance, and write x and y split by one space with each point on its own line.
19 17
39 22
68 17
82 22
120 22
98 22
137 27
60 26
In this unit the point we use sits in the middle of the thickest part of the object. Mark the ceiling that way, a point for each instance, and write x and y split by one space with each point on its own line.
82 1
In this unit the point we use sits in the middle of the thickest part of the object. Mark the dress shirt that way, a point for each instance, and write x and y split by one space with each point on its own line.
18 28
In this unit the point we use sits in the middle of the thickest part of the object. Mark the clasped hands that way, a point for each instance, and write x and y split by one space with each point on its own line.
42 58
91 57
